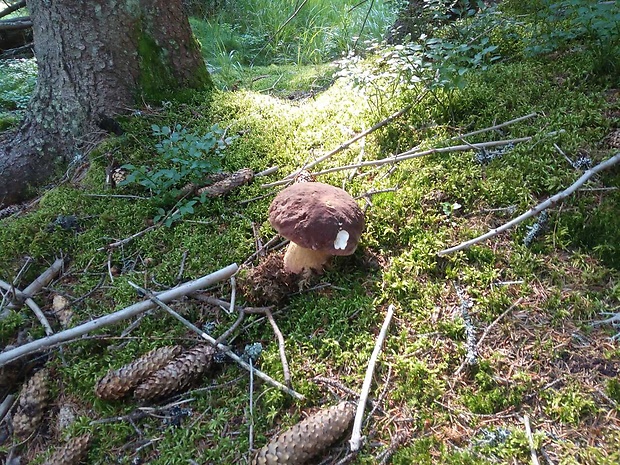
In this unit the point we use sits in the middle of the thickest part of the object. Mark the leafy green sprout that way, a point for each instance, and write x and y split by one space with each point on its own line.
185 158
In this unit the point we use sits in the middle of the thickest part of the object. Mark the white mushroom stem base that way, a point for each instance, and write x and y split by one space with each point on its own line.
297 258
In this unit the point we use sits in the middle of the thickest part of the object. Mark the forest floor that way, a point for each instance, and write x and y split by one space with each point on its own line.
494 354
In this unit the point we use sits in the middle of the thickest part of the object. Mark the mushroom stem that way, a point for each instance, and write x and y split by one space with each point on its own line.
297 258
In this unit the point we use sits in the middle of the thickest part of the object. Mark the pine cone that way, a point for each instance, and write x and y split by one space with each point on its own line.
32 403
308 438
117 383
72 453
177 375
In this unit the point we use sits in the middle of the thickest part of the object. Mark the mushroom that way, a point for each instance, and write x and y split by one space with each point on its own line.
320 221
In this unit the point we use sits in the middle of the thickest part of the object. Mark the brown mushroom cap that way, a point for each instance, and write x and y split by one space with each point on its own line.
318 217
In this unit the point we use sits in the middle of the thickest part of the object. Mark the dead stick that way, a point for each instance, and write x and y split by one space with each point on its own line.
128 239
488 330
341 147
12 8
506 312
224 336
221 347
6 405
280 337
492 128
113 318
530 440
539 208
356 436
416 154
24 299
43 280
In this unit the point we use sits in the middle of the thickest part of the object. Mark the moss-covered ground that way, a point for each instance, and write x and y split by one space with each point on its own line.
533 307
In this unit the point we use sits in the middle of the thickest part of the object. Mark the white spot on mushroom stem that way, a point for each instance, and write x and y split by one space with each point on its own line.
341 240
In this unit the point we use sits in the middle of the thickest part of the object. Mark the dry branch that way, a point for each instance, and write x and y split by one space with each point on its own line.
43 280
413 153
280 338
416 154
493 128
16 24
113 318
24 299
6 405
356 436
16 6
341 147
530 440
539 208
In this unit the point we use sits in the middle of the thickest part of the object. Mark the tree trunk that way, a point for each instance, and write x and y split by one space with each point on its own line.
96 58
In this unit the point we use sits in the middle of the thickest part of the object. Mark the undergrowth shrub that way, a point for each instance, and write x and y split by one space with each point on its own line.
185 157
558 26
440 58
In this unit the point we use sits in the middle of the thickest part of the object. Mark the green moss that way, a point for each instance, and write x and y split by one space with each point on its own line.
569 405
613 389
158 80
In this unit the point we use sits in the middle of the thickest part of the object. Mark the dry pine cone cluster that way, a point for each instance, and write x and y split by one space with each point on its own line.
156 374
308 438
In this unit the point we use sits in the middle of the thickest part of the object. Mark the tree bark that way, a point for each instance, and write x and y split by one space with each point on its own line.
96 58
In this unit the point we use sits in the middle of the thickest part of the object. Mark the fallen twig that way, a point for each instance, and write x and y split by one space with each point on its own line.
280 337
251 412
182 266
267 172
262 250
6 405
129 239
11 8
113 318
233 294
43 280
221 347
258 243
488 330
24 299
530 440
356 438
539 208
341 147
395 443
494 322
416 154
338 385
224 336
493 128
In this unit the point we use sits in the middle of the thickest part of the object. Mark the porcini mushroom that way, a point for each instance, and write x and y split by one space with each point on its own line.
320 221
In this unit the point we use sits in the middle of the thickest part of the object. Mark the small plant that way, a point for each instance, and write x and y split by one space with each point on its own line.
17 81
559 24
186 158
436 63
570 405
